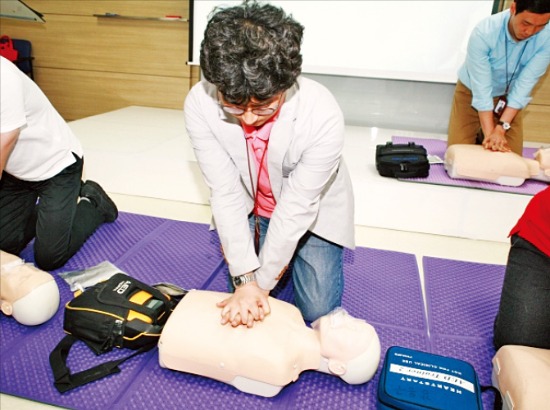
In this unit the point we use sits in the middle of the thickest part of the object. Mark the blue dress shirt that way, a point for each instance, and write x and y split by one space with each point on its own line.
493 57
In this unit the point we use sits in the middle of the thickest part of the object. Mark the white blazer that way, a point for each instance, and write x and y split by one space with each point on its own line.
309 179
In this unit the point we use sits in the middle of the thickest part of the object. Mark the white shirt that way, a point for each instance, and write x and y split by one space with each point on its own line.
309 180
46 143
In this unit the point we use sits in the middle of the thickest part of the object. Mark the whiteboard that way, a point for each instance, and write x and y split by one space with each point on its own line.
404 40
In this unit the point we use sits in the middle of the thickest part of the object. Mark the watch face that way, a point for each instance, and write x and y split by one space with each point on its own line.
237 281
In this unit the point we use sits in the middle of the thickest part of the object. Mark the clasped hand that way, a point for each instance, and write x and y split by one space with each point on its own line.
496 141
247 305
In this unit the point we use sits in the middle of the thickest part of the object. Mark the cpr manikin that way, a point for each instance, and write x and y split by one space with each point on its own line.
27 293
474 162
263 359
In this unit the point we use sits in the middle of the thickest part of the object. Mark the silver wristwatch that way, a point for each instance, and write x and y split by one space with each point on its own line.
241 280
505 125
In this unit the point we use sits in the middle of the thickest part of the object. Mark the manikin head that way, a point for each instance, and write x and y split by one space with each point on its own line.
542 156
350 347
28 294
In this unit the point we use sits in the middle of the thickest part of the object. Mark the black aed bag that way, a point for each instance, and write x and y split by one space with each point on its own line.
402 160
119 312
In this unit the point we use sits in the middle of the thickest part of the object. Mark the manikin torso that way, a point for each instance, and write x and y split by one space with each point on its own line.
263 359
474 162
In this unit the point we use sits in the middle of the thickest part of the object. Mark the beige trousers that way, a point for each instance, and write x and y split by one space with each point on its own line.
464 123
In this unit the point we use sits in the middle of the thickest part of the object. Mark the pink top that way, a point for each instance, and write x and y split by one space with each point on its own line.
257 139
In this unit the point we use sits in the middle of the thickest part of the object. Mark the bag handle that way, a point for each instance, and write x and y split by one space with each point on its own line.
7 50
6 40
64 380
105 296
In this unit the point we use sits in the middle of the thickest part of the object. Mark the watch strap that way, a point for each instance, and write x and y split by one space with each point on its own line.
241 280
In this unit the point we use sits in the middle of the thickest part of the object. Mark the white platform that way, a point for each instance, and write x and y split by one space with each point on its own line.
143 151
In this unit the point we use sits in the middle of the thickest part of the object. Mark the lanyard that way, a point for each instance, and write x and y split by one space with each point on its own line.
255 193
508 83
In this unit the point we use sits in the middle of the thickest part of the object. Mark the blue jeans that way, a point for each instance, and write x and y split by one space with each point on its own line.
317 274
524 316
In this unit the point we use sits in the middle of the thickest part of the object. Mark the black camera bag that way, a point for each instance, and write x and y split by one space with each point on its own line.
119 312
402 160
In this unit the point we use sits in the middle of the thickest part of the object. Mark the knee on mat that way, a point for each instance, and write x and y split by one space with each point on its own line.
48 262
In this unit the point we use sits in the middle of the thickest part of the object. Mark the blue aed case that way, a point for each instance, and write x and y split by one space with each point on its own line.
411 379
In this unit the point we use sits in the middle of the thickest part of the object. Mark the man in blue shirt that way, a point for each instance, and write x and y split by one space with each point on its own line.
507 54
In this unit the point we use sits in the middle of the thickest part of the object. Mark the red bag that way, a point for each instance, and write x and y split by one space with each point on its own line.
7 50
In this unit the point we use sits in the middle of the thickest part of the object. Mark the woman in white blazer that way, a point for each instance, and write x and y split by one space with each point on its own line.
303 207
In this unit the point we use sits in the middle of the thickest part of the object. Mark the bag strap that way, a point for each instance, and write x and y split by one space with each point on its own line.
65 381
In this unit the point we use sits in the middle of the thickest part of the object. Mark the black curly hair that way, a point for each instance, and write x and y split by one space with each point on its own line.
251 51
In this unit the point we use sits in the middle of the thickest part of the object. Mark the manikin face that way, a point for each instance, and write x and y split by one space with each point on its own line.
526 24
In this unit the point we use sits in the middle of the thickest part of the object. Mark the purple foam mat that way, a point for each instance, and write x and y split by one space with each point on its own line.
283 291
156 249
438 175
372 277
315 390
312 389
383 287
462 301
150 249
110 242
319 391
462 297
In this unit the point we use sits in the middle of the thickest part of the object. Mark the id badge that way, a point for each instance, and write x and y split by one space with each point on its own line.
500 106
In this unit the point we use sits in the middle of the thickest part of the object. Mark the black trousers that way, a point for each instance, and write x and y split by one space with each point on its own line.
524 313
48 211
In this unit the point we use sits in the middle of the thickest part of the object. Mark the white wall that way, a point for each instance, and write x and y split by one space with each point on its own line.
404 105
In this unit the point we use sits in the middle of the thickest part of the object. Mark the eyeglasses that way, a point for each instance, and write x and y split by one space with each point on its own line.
261 111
